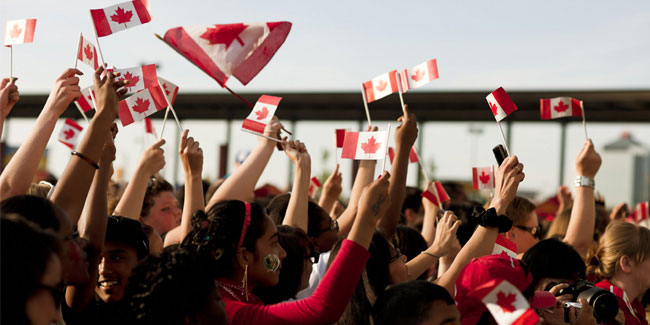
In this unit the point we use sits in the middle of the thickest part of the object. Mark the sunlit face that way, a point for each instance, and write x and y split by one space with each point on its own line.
267 244
75 261
442 313
522 238
41 308
116 264
397 268
164 215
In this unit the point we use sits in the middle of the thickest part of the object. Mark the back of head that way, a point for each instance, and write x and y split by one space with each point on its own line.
408 303
26 251
410 243
552 258
316 215
519 209
169 289
36 209
128 232
620 239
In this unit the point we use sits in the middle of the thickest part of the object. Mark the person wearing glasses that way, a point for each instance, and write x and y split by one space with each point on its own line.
525 229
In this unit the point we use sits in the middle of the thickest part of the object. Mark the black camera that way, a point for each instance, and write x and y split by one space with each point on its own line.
603 302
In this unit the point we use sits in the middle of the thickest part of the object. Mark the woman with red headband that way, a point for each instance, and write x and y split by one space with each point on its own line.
242 243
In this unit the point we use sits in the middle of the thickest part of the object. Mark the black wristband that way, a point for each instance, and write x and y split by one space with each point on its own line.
86 159
489 218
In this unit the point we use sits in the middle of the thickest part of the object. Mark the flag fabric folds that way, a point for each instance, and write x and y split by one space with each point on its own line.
141 105
139 77
170 89
442 194
365 145
419 75
261 114
69 134
380 86
500 104
87 53
559 107
119 17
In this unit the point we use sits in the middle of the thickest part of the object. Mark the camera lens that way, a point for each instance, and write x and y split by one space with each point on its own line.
603 302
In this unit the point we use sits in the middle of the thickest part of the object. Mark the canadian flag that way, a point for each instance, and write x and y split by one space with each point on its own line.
85 102
70 133
504 245
442 194
87 53
19 31
559 107
381 86
120 17
483 178
413 156
505 302
261 114
241 50
141 105
419 75
148 127
340 137
500 104
314 185
171 90
365 145
139 77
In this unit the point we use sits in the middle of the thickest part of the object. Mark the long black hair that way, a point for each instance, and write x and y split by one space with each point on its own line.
215 234
33 208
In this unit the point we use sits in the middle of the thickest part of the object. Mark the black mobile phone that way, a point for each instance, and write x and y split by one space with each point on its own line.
500 153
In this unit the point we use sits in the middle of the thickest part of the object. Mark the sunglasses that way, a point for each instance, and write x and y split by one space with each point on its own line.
334 226
397 255
533 231
314 256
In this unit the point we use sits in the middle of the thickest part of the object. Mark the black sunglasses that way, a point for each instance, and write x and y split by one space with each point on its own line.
398 254
533 231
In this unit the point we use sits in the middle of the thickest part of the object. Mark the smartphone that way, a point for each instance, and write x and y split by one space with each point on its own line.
500 153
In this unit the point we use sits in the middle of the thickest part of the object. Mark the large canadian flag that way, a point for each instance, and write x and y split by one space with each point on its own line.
85 102
87 53
505 302
365 145
261 114
483 178
419 75
141 105
170 89
413 156
241 50
139 77
559 107
380 86
500 104
442 194
504 245
19 31
69 134
120 17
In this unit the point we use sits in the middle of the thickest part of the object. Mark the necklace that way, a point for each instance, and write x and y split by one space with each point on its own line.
229 289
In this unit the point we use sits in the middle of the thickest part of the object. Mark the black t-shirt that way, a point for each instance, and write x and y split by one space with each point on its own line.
97 312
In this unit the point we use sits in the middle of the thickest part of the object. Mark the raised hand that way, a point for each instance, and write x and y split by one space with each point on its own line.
588 161
619 213
297 152
271 130
153 158
9 96
331 191
564 197
191 155
106 91
445 240
375 198
65 90
506 181
406 133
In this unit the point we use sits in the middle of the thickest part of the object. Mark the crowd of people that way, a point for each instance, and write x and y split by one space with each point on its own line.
85 250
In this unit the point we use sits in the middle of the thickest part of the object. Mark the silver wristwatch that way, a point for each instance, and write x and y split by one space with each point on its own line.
585 181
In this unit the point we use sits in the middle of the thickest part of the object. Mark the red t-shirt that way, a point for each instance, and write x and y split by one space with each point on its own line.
634 312
325 306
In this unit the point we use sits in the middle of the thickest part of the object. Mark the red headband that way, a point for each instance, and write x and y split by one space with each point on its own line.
247 221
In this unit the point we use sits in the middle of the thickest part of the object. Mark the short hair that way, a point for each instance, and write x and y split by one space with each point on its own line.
519 209
408 303
277 209
542 261
36 209
155 186
128 232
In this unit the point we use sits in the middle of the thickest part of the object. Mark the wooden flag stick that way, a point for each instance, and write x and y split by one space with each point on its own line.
505 143
169 105
11 62
399 92
263 136
383 164
82 113
336 156
424 171
584 121
76 55
365 104
164 121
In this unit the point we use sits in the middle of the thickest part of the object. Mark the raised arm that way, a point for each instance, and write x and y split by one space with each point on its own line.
296 214
331 190
8 98
365 174
192 159
92 227
429 221
152 160
405 136
240 185
445 238
580 232
507 179
19 173
78 174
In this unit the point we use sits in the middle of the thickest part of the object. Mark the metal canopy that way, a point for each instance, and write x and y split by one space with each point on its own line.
600 106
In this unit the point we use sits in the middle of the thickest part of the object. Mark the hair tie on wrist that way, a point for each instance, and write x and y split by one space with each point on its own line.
86 159
489 218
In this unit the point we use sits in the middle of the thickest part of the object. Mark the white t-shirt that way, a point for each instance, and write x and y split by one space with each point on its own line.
317 274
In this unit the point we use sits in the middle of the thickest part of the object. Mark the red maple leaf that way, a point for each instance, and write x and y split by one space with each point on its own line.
371 146
133 80
494 108
165 88
69 133
484 177
505 301
141 105
561 107
382 85
224 34
261 114
419 74
122 17
89 52
15 31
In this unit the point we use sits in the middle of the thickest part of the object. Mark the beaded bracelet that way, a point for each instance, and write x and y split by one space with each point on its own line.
86 159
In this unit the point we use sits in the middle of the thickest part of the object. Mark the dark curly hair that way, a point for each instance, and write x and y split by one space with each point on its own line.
169 288
154 187
277 209
215 234
296 243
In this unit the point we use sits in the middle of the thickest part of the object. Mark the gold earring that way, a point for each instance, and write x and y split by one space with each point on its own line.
244 282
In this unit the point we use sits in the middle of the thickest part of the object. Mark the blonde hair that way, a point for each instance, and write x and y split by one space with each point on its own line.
559 225
519 210
620 239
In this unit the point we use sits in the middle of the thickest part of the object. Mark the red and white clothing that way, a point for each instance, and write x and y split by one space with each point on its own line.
633 310
325 306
